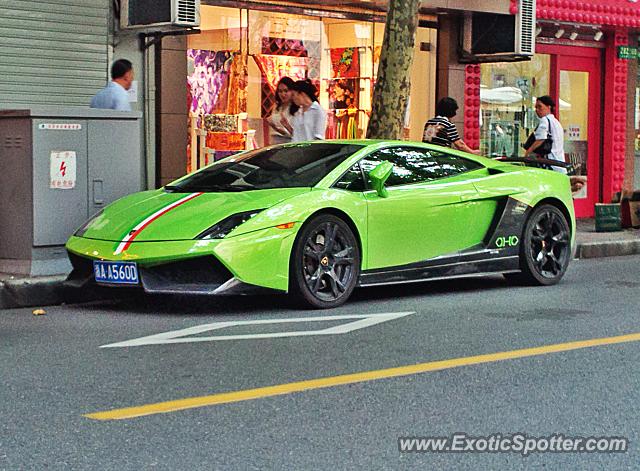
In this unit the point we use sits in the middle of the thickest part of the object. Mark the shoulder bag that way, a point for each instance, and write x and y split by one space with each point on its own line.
543 149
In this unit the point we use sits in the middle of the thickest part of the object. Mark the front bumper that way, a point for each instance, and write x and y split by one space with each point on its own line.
245 263
195 276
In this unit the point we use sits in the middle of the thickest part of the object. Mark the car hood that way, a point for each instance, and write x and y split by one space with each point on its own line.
162 216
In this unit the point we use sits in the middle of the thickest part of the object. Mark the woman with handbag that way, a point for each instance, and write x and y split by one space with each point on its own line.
547 139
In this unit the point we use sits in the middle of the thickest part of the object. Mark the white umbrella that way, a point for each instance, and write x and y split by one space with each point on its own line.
509 96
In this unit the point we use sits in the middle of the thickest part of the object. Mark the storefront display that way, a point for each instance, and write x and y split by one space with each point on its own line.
508 94
505 138
507 100
574 106
588 49
236 62
208 80
349 89
274 68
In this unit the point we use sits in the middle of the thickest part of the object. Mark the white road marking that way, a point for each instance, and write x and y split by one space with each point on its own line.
185 335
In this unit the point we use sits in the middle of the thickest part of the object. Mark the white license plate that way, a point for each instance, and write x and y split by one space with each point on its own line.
120 273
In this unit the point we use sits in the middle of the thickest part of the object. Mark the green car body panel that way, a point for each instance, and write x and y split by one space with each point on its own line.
415 222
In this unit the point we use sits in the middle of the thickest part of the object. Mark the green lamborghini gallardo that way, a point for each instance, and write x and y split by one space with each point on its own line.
318 219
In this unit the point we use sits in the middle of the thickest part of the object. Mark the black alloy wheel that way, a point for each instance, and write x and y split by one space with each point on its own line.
546 247
326 262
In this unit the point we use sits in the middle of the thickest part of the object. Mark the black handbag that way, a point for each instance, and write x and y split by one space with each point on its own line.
543 149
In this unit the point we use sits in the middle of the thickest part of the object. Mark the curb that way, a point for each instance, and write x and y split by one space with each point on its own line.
24 292
608 249
46 291
52 290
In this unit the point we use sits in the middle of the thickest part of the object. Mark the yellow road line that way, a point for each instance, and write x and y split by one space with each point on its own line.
288 388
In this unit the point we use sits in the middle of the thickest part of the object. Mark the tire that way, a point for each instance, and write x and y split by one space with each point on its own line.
545 251
325 263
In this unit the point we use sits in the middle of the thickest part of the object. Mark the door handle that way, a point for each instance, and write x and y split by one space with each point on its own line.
98 197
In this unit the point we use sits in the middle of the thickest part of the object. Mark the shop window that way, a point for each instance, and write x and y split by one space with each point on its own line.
507 96
216 87
239 57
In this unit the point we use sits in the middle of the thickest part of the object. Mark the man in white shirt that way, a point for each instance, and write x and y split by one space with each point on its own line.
114 96
548 126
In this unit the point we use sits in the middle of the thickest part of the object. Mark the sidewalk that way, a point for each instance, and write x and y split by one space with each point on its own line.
592 244
22 291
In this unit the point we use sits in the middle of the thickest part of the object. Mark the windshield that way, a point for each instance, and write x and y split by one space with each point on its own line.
287 166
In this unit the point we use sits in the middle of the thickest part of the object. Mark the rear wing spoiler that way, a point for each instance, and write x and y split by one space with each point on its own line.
540 163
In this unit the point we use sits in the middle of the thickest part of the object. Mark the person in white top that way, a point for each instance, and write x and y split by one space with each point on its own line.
310 122
548 125
283 113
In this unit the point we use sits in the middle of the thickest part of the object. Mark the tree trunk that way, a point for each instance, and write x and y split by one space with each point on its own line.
394 72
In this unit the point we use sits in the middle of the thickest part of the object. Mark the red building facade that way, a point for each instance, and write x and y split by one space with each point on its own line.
580 63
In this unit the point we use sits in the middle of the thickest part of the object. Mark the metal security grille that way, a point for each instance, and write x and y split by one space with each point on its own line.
53 52
526 27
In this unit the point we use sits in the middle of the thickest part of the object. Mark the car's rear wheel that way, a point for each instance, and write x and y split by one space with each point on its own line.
546 247
325 263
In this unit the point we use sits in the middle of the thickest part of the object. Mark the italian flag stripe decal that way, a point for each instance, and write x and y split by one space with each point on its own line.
133 233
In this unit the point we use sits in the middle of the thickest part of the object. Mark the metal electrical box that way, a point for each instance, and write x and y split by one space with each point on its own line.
60 166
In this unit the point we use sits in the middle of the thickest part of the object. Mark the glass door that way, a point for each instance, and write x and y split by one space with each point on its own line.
575 86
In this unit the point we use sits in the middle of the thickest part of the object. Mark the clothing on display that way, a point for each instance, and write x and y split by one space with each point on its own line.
208 80
225 140
343 93
273 68
344 62
221 122
238 85
346 124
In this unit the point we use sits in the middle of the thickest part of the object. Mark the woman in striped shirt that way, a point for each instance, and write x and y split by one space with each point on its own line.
441 131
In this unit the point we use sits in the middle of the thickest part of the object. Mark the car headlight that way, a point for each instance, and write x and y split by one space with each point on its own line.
222 228
82 229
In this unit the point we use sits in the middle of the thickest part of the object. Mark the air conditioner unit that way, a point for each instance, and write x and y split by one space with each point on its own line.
491 37
159 14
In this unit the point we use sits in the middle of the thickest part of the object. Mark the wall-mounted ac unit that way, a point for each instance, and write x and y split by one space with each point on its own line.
159 14
491 37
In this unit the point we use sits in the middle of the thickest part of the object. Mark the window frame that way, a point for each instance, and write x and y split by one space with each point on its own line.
421 149
367 186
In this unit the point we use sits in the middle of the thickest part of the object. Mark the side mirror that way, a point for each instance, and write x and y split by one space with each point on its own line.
379 175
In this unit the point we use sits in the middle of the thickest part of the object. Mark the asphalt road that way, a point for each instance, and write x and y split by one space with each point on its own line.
57 380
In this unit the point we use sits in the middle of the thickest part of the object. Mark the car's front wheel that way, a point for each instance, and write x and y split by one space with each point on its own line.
325 263
546 247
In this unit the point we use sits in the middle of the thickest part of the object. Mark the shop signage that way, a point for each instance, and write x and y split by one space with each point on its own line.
627 52
573 132
62 174
60 126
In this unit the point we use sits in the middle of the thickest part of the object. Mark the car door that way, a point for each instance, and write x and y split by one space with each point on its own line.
431 208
